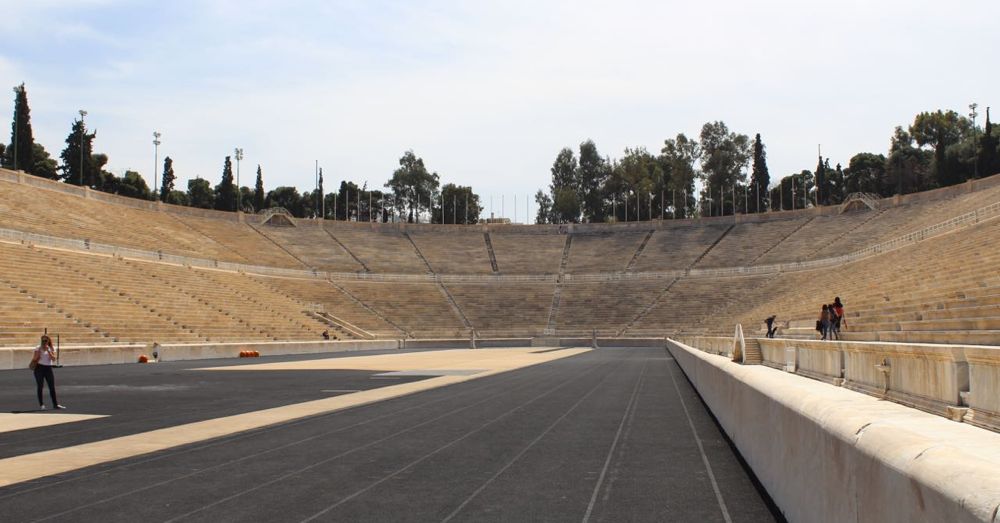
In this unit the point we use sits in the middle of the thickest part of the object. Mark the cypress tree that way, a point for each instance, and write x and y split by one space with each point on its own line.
760 179
71 157
20 153
225 192
989 150
258 192
167 184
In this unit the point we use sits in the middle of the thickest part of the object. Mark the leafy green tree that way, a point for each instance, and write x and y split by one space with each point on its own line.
566 205
133 185
829 183
724 156
461 205
413 186
565 188
246 196
679 156
794 191
178 198
592 173
866 173
287 197
634 179
45 165
346 201
225 192
940 130
71 167
104 181
908 168
200 194
167 185
544 203
760 179
564 170
258 191
21 151
3 152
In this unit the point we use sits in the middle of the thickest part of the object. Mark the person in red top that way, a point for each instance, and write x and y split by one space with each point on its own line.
838 316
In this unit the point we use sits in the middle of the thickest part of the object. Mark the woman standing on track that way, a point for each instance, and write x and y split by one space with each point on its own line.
42 361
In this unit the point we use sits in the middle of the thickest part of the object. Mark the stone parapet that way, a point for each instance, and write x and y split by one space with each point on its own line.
825 453
930 377
983 398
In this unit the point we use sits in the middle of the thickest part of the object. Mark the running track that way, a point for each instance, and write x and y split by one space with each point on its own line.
608 435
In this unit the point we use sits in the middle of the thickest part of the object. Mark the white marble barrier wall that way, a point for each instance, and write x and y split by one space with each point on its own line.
983 398
929 377
824 453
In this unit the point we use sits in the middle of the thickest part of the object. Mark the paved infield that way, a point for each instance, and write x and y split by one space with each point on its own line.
609 435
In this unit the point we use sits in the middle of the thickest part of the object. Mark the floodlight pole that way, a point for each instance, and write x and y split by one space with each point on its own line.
238 152
156 160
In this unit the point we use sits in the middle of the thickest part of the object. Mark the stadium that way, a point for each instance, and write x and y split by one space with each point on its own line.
501 309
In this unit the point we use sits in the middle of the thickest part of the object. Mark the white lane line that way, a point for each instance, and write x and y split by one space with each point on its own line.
259 454
701 448
614 445
332 458
442 448
522 452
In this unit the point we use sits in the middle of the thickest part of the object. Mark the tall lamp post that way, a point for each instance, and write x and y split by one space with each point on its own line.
238 152
83 131
156 159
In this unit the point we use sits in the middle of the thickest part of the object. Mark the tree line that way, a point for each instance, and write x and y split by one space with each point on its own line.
938 149
412 193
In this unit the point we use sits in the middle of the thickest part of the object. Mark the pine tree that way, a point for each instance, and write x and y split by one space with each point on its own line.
258 192
760 179
71 157
19 154
225 192
167 184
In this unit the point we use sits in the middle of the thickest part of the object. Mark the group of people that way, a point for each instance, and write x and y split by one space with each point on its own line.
831 318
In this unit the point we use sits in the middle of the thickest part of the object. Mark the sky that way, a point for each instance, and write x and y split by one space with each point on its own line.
487 93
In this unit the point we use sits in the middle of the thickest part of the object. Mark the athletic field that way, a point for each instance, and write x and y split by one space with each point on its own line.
449 435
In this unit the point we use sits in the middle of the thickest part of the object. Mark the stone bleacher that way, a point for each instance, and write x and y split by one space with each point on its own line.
505 309
678 247
310 242
938 291
455 251
419 308
522 253
382 250
748 241
942 290
606 252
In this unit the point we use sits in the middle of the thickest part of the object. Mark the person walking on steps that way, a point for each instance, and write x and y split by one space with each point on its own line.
771 329
42 361
824 322
838 316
